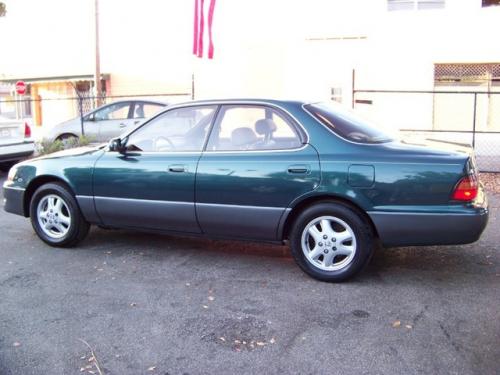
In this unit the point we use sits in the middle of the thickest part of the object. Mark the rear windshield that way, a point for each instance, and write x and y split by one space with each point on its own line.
347 124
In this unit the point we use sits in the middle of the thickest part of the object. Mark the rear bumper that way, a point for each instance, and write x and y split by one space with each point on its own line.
14 200
16 151
422 228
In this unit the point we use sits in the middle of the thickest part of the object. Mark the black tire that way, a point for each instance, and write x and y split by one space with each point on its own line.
78 228
67 138
363 236
5 166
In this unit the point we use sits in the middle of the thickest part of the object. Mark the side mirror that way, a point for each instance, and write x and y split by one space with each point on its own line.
116 145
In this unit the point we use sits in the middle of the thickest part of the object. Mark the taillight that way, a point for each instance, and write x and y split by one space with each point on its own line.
27 130
466 189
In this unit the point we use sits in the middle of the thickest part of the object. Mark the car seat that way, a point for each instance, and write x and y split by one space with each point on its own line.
243 138
265 127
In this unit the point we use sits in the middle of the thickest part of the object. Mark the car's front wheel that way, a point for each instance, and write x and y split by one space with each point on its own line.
331 241
56 217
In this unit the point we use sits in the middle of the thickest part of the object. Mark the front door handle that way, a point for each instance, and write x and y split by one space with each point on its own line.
177 168
122 125
299 169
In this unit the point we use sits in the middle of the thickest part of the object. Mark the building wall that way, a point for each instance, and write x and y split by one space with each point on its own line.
398 52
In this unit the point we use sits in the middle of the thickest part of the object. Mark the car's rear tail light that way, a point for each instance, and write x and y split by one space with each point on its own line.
27 130
466 189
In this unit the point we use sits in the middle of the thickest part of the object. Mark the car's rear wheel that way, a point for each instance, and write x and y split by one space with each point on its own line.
331 241
67 139
56 217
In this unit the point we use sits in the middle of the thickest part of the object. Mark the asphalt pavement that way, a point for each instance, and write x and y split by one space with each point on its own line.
155 304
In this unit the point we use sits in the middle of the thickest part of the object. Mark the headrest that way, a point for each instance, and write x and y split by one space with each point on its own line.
243 136
265 126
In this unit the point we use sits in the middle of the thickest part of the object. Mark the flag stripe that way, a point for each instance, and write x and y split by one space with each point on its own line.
201 31
210 20
195 28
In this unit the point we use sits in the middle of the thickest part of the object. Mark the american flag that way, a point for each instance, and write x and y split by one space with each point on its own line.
199 28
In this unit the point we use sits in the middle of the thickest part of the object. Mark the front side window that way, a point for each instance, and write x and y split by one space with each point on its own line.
249 127
347 124
181 129
116 111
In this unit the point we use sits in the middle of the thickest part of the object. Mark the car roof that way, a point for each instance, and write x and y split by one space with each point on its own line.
137 100
278 102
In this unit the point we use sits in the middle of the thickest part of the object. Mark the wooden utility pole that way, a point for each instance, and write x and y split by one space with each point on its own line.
97 75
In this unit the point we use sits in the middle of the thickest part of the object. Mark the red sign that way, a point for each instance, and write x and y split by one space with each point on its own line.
21 87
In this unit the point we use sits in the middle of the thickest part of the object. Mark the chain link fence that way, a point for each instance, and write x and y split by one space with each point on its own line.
462 117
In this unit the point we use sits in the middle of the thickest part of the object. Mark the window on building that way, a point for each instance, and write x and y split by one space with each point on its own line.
336 94
415 4
489 3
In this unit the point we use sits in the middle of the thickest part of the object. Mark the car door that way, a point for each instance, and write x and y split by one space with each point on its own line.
256 162
151 184
113 120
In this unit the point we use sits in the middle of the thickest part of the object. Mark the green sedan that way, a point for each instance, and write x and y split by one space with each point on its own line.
312 175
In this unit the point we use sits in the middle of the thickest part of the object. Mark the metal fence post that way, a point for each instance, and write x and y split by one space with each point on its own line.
353 88
474 122
80 108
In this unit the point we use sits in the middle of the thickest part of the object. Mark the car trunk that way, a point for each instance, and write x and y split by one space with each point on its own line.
419 172
11 132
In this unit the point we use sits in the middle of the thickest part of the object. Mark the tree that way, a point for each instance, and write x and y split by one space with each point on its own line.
3 9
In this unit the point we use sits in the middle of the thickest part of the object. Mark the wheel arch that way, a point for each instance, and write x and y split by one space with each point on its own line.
61 136
35 184
312 200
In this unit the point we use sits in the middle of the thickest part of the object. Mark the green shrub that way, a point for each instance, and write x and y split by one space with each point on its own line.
46 147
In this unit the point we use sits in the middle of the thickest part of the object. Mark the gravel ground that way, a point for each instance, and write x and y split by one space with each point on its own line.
491 182
152 304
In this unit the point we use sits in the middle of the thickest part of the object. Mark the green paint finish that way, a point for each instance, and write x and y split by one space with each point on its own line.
361 175
388 177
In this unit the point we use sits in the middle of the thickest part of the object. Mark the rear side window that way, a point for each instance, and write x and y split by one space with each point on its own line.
146 110
248 127
347 124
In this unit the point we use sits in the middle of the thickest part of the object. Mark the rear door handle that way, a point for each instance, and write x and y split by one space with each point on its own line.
299 169
177 168
122 125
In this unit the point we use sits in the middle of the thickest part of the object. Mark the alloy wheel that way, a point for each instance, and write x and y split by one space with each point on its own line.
328 243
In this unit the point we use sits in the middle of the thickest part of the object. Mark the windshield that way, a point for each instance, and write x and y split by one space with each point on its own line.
347 124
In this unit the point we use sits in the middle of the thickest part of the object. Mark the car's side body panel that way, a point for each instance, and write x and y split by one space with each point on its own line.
72 167
245 194
145 190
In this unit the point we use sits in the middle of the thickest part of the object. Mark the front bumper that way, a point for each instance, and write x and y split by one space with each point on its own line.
433 228
14 200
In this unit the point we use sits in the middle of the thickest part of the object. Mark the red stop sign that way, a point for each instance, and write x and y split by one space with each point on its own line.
21 87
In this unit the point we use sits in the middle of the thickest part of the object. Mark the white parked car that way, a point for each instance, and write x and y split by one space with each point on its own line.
15 142
107 121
